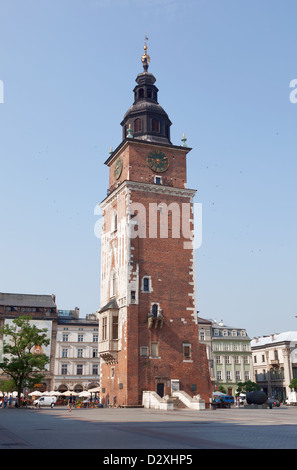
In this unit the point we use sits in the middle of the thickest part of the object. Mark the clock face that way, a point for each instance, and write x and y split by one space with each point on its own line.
118 168
157 161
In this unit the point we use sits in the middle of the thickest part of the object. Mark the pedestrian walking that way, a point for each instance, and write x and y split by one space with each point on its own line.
70 402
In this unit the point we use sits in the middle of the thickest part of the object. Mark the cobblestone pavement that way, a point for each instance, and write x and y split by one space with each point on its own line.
148 429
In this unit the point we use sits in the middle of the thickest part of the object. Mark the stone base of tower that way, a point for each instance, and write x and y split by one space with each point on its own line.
126 388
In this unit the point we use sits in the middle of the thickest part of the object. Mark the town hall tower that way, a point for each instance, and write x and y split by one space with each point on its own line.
148 331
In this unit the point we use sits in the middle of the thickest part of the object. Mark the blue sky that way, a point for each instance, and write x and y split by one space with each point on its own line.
223 69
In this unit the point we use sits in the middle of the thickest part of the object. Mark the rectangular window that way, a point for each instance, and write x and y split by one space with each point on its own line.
79 369
227 359
95 352
245 359
104 328
154 350
65 337
218 359
202 335
95 338
133 296
64 352
219 375
115 327
144 351
237 375
186 352
236 359
80 352
228 375
158 180
95 369
80 338
275 354
64 369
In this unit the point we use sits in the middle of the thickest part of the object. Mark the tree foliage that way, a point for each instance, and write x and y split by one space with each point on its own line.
248 386
20 362
293 384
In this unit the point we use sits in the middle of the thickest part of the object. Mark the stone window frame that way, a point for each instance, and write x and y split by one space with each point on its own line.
150 288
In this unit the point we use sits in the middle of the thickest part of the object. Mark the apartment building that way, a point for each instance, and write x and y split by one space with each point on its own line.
231 355
77 364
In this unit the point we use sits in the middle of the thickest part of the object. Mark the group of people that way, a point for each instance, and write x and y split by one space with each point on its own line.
11 402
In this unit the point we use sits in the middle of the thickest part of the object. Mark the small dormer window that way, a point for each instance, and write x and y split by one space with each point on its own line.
137 125
155 125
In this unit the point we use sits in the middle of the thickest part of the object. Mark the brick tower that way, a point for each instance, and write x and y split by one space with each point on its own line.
148 332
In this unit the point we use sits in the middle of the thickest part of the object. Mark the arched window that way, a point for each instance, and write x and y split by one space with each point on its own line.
155 125
113 284
155 310
146 284
137 125
141 93
114 222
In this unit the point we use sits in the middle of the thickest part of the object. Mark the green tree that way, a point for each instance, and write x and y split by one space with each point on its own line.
6 386
20 362
293 384
248 386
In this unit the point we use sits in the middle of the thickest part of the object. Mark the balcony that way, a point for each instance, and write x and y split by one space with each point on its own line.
108 351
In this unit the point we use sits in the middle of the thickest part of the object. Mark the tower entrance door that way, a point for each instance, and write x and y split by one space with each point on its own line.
160 389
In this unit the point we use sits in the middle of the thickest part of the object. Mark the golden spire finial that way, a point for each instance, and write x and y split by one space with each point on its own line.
145 58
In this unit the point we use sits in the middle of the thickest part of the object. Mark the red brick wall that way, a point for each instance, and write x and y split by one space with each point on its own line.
135 167
170 267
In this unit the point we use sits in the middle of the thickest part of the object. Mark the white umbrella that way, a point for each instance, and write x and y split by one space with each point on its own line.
53 393
218 393
68 393
35 394
84 394
94 390
45 394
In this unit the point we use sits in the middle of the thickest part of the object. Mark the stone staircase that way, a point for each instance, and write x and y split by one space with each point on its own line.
178 404
177 401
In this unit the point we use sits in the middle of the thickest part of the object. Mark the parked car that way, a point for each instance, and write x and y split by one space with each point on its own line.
222 401
45 401
273 401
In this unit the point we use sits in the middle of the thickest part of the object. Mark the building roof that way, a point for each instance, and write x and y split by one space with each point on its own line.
27 300
112 304
286 336
77 321
203 321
